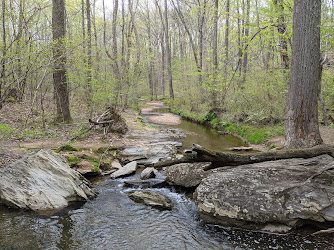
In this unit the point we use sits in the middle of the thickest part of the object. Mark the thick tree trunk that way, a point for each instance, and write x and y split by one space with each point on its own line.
302 128
59 74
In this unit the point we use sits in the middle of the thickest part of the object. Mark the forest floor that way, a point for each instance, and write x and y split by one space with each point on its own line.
20 131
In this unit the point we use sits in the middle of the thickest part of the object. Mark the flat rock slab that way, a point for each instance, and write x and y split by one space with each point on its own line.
151 198
187 174
274 195
128 169
150 146
42 181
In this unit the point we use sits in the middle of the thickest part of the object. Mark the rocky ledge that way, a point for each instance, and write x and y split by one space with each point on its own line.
271 196
42 181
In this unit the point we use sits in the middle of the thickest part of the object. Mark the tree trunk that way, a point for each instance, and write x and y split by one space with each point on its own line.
4 49
227 32
163 63
59 74
302 128
215 55
89 58
279 5
246 34
168 54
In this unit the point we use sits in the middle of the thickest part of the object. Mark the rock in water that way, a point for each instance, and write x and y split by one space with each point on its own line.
128 169
187 174
274 195
148 173
151 198
42 181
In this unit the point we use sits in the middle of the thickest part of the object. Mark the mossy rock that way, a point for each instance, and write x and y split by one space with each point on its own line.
66 147
73 160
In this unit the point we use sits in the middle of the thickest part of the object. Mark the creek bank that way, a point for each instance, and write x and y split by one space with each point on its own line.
42 181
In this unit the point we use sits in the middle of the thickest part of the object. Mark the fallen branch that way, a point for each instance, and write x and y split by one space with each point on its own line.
229 159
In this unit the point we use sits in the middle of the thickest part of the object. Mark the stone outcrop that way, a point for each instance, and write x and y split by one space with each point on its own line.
42 181
187 174
151 198
273 196
128 169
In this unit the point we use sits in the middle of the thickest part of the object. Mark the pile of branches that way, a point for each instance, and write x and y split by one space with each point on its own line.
111 121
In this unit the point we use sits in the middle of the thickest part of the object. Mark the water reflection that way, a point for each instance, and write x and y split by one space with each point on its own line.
199 134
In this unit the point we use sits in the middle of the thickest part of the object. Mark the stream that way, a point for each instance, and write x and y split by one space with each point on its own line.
113 221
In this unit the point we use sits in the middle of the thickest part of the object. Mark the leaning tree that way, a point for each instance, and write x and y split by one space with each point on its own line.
301 126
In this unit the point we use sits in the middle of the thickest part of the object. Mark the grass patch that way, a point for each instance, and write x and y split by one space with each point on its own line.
8 132
73 160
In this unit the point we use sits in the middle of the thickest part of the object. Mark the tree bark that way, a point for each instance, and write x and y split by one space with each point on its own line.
168 54
89 58
215 55
61 92
227 32
301 126
279 5
246 34
4 49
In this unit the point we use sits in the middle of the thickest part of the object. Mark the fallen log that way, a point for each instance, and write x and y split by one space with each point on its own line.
231 159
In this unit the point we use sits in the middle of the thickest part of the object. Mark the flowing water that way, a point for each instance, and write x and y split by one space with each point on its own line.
207 137
113 221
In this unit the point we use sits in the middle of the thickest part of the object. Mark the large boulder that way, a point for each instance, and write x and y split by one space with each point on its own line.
151 198
274 195
187 174
42 181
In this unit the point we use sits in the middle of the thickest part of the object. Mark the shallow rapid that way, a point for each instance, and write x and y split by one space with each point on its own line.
113 221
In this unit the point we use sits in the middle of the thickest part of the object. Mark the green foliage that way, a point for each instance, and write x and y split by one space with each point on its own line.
253 134
215 123
6 131
210 116
73 160
95 169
